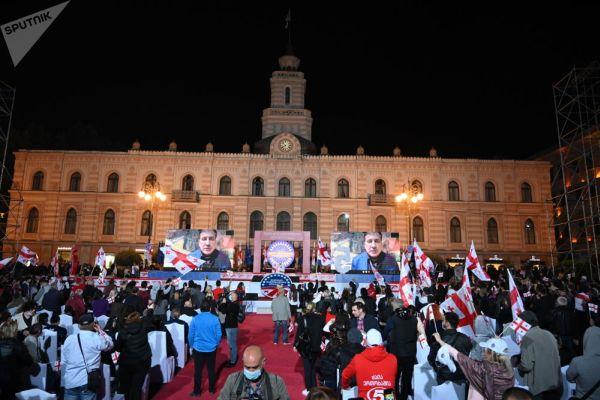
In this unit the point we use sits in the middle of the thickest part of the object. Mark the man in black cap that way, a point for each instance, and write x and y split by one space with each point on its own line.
81 353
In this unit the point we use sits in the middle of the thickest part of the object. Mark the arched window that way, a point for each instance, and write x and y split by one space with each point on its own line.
151 179
185 220
38 181
225 186
284 187
108 227
310 188
258 186
529 232
187 183
418 229
32 220
146 229
310 224
380 224
75 182
492 231
283 221
256 222
343 189
113 183
380 186
455 230
418 185
288 96
526 196
71 222
453 193
223 221
490 191
343 223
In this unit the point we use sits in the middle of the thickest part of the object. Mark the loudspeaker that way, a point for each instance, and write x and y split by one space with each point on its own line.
251 296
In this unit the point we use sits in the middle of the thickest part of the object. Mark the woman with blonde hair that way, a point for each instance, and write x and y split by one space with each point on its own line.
488 378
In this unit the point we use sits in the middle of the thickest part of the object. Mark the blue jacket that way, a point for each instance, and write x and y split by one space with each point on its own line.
205 332
361 263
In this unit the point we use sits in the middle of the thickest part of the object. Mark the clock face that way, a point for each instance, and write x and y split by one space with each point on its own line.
285 145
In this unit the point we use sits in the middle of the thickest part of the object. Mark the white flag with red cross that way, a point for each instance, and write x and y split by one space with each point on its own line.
473 265
54 263
516 303
520 327
323 254
461 303
378 277
100 258
115 357
593 308
183 262
423 265
26 255
406 291
581 299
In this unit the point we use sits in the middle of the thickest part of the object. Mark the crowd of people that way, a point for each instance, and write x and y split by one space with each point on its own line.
361 337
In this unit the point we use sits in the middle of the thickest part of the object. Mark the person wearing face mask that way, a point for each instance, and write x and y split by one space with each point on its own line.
254 382
230 307
373 255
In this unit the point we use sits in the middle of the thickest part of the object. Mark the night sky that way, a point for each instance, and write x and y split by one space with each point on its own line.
473 81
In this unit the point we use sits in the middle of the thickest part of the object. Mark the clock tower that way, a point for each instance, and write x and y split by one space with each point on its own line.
286 113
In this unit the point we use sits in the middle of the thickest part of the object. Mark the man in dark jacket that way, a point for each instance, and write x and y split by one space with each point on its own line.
230 307
361 320
53 299
134 301
402 343
459 341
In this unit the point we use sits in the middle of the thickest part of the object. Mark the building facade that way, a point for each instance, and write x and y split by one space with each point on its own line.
281 183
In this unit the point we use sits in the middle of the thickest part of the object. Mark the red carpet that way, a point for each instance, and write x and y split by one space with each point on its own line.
258 330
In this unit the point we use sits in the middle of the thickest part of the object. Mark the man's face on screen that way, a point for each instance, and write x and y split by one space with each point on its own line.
373 245
207 242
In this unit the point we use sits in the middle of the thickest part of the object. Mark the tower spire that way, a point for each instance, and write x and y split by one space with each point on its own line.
288 26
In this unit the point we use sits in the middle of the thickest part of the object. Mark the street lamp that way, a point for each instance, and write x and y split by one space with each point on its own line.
411 195
151 193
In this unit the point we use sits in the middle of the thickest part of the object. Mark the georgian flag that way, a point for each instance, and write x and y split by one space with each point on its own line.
100 258
115 357
406 291
472 264
593 308
520 327
26 255
323 254
424 265
148 252
378 277
183 262
55 264
461 303
516 303
581 299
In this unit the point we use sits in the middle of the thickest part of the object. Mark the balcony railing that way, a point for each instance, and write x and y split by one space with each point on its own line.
380 199
190 196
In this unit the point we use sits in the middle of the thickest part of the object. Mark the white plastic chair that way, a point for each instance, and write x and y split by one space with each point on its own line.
422 353
102 320
35 394
162 367
45 311
448 391
13 311
424 379
66 321
53 349
568 387
177 332
40 380
186 318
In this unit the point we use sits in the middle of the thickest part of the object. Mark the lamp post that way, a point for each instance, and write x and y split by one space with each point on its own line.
411 195
150 192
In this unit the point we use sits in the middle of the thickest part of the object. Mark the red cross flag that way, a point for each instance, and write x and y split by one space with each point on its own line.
54 263
460 302
580 301
593 308
378 277
100 258
520 327
183 262
472 264
323 254
424 265
115 357
516 303
406 291
26 255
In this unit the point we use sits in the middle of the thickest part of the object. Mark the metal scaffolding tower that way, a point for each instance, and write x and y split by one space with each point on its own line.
576 184
9 210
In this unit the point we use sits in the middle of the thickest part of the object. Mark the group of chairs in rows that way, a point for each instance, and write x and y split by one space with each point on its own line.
162 366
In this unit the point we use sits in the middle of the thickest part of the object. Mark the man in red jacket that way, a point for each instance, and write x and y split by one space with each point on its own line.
375 369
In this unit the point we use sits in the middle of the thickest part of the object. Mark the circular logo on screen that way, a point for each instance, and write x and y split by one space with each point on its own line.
280 254
270 282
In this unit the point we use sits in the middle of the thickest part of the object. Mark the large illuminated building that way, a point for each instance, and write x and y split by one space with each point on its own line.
282 182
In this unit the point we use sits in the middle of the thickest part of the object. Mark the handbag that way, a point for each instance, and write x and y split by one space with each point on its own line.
94 381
